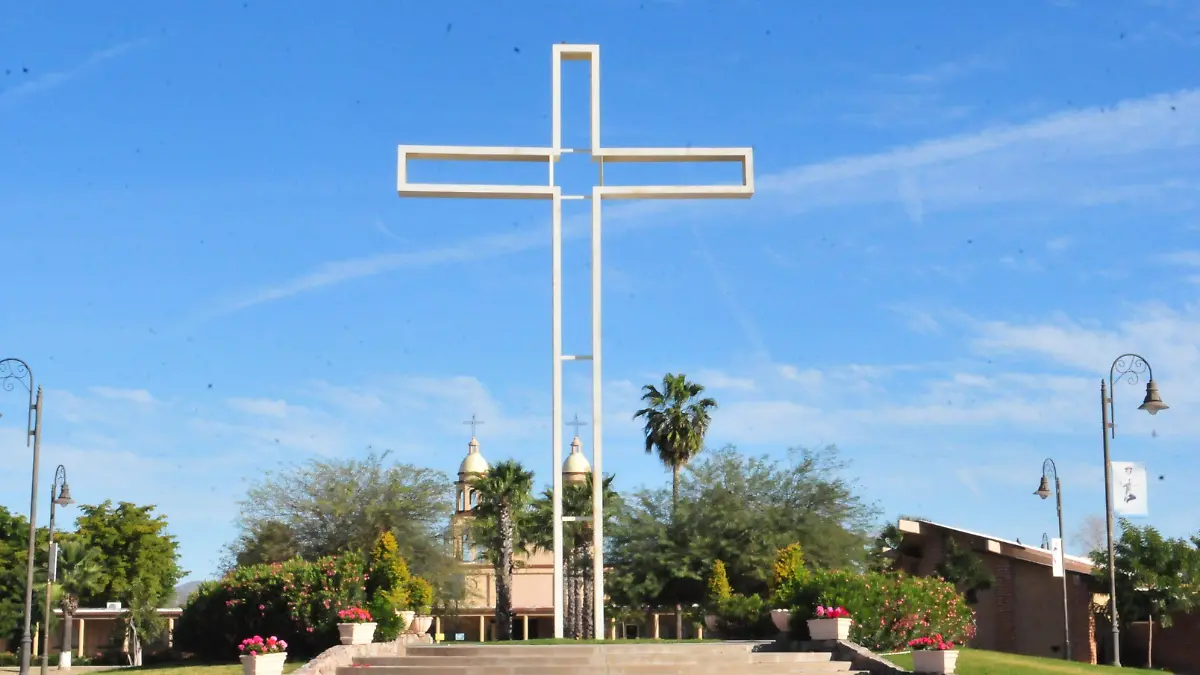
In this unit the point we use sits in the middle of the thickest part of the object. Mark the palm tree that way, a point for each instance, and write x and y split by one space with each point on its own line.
577 536
501 522
677 421
81 572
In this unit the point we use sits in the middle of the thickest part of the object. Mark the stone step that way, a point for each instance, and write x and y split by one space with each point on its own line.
501 650
501 667
617 658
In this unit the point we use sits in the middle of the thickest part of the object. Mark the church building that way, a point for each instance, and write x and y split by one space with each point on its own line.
533 579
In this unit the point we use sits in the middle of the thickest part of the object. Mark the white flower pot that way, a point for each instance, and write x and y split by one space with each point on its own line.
408 616
420 624
710 623
829 629
934 661
263 664
356 633
780 617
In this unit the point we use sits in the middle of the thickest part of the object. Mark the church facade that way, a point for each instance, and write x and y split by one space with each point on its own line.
533 579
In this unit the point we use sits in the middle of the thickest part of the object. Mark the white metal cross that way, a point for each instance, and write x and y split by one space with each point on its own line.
553 193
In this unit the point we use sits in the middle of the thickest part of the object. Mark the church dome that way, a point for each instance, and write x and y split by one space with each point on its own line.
473 463
576 466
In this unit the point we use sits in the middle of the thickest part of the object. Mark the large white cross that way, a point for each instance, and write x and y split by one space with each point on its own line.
553 193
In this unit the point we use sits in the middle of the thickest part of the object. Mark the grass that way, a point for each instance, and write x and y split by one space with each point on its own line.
981 662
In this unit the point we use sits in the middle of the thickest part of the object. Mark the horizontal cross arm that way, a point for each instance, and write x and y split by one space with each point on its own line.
472 153
743 156
493 153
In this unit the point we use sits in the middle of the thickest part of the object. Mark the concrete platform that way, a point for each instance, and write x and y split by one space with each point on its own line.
710 658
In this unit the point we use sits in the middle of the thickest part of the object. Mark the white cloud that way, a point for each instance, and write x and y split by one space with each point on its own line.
51 80
139 396
260 406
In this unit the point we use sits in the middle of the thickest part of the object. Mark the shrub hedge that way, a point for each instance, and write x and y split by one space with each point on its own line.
297 601
888 609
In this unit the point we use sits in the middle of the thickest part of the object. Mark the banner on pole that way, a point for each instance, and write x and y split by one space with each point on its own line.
1056 552
1129 489
53 572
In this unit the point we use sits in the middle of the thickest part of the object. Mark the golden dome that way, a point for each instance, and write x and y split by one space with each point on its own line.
473 463
576 466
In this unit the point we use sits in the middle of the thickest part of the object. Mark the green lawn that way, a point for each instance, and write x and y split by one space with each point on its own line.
980 662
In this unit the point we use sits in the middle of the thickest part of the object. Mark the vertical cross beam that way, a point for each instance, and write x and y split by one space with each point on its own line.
553 193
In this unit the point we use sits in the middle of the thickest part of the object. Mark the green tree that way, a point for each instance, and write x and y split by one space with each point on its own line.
579 616
387 587
80 572
676 422
501 525
882 555
337 505
138 556
14 542
964 569
264 543
740 510
1156 577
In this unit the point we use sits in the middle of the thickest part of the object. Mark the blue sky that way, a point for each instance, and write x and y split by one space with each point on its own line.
962 218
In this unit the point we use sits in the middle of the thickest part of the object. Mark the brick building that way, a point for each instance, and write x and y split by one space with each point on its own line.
1022 613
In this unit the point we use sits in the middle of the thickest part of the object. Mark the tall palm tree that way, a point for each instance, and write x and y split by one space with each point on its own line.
577 536
501 522
81 572
676 422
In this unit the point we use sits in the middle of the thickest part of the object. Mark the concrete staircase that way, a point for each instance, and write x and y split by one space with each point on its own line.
710 658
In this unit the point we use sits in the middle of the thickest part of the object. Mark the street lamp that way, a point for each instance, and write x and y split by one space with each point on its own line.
13 371
1043 491
60 495
1130 367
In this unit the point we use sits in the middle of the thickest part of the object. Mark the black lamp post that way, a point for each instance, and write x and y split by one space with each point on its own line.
1043 491
1130 367
13 371
60 495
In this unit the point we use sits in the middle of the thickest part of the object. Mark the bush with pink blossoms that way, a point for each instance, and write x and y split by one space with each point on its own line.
296 599
889 610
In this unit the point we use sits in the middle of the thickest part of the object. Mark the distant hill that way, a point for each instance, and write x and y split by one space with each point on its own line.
182 591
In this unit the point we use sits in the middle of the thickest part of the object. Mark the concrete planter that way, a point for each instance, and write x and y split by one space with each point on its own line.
407 615
356 633
829 629
710 623
935 661
420 624
263 664
780 617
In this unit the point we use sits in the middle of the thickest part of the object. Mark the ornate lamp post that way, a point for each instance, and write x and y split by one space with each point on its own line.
1130 367
12 372
60 495
1043 491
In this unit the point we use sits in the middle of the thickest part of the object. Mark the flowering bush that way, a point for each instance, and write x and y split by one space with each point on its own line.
889 610
787 569
297 598
932 643
354 615
256 646
832 613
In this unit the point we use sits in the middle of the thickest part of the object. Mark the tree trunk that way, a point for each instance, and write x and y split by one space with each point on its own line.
588 606
504 575
572 595
678 622
1150 643
64 655
674 489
